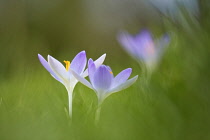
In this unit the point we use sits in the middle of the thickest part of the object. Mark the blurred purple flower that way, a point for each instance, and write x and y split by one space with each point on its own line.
103 82
64 75
143 48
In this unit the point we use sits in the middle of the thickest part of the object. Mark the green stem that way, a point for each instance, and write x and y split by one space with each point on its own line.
97 115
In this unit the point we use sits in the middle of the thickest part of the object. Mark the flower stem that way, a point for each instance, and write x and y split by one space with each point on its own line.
70 93
97 115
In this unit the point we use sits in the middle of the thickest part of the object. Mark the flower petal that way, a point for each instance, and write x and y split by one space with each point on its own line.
102 79
47 67
145 45
58 68
162 43
127 43
121 77
110 70
81 79
97 62
123 85
143 36
140 46
100 60
160 47
79 62
91 69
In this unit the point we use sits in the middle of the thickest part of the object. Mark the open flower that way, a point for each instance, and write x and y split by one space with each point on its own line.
64 75
143 48
103 82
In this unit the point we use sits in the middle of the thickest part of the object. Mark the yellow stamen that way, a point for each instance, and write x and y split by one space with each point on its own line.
111 72
67 65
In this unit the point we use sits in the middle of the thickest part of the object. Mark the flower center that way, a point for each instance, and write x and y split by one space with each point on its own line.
150 49
67 65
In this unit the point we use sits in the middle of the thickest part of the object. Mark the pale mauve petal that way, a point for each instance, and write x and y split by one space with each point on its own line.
91 69
127 43
79 62
121 77
102 79
143 35
122 86
145 45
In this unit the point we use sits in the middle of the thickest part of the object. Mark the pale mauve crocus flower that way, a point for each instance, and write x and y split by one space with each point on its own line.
143 48
64 75
103 82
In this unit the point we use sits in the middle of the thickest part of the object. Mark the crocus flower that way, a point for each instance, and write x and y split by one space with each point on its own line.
103 82
64 75
143 48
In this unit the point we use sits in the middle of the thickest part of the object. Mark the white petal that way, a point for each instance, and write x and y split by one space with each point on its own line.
100 60
81 79
97 62
58 69
85 73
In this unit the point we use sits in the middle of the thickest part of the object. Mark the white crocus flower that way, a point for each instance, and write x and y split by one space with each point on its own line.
64 75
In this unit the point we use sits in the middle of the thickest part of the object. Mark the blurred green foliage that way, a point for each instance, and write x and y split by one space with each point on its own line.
173 105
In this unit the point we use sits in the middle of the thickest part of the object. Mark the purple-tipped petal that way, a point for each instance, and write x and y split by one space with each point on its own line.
58 68
97 62
91 69
123 85
81 79
79 62
121 77
102 79
47 67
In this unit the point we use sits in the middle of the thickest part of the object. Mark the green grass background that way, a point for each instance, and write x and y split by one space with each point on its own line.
173 105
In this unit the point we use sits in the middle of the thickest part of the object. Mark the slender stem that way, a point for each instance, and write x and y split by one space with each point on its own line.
70 93
98 110
97 115
147 72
